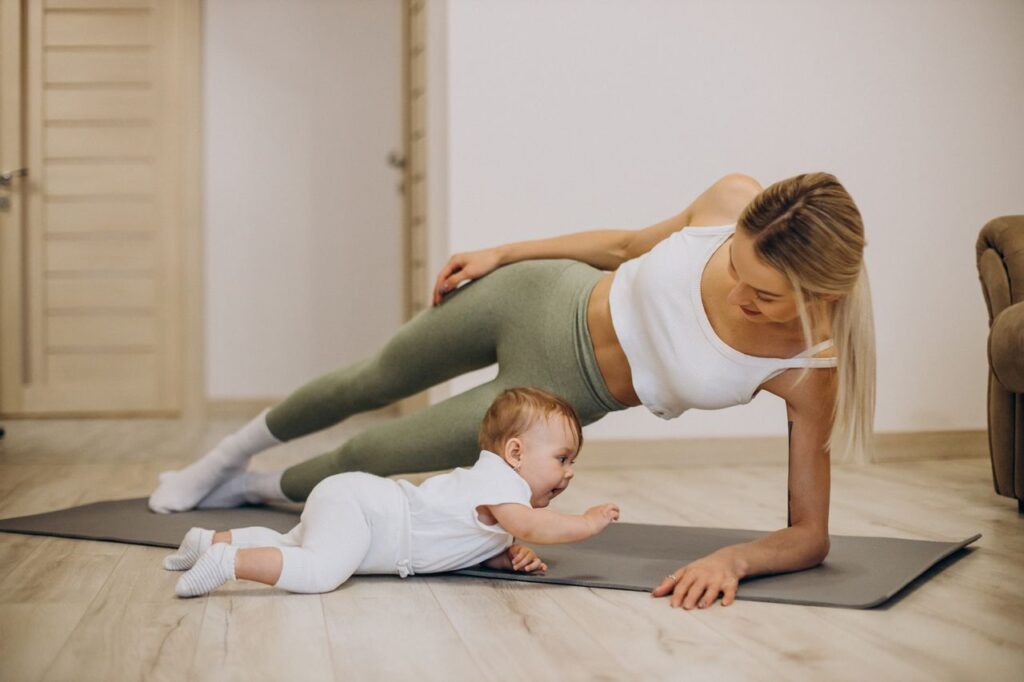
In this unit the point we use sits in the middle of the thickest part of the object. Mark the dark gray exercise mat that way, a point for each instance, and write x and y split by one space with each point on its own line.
860 572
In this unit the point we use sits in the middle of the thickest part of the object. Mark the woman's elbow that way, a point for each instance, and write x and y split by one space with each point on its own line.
822 549
621 251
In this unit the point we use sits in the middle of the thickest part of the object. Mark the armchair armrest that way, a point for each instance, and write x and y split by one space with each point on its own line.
1006 347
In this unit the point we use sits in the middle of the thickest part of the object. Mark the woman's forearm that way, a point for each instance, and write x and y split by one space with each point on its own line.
789 549
603 249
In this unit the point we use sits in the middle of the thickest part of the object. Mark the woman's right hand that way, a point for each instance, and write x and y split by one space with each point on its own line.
600 516
462 267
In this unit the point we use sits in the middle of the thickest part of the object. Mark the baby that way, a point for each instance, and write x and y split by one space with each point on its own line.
361 523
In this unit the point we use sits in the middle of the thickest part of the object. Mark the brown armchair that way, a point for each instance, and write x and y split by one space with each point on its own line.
1000 250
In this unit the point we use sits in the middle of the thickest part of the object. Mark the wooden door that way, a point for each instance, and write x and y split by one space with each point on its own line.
100 284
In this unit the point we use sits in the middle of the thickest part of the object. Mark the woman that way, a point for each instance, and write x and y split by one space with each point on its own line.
762 290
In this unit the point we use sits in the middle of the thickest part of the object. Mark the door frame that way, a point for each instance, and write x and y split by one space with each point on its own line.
11 157
194 403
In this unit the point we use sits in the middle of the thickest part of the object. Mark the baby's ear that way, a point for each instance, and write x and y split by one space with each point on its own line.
513 452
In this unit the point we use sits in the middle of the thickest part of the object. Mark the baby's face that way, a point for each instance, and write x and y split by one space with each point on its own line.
548 453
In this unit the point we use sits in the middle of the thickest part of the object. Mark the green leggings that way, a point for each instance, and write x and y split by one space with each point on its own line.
529 317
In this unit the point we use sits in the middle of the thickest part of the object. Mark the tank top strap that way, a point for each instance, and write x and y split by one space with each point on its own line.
805 358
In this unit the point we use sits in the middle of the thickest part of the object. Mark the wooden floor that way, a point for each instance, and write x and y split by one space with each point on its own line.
77 610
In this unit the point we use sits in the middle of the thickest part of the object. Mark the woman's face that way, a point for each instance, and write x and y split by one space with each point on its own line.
762 293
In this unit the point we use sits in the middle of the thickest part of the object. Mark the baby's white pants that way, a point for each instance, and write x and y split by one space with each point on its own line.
351 523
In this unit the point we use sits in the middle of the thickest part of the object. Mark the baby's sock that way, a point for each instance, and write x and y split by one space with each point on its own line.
215 567
182 490
245 487
197 541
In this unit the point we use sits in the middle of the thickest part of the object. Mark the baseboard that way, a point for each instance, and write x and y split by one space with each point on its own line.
241 407
907 446
667 453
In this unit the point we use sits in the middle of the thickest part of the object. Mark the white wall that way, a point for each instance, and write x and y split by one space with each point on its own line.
573 115
301 105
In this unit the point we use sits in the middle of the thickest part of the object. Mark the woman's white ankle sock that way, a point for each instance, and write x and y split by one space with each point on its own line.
182 490
245 487
197 541
214 568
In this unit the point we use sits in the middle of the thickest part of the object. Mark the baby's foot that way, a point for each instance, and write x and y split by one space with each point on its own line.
197 541
214 568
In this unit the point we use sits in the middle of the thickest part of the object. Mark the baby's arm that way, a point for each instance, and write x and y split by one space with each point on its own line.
546 527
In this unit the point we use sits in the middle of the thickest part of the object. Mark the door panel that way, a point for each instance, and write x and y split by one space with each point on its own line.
93 309
100 216
99 142
99 29
89 66
120 293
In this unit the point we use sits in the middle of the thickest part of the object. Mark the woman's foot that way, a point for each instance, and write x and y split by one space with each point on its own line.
214 568
183 489
245 487
197 541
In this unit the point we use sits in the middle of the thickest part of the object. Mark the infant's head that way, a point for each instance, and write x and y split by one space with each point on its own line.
538 434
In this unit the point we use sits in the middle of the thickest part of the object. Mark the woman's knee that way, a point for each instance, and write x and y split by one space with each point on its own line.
409 445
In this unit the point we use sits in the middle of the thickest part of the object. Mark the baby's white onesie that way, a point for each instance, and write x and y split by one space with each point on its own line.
447 534
359 523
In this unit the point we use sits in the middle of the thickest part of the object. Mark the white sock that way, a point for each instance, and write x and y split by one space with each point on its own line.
197 541
182 490
245 487
215 567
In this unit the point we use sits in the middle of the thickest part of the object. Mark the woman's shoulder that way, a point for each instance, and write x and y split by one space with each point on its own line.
724 201
819 386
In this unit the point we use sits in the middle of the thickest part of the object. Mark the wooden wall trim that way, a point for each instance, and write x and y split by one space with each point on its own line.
888 447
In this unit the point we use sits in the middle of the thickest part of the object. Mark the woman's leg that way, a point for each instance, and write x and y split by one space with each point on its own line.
440 343
185 488
441 436
542 340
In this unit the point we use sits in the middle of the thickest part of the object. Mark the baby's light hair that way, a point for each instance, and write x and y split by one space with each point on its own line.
515 410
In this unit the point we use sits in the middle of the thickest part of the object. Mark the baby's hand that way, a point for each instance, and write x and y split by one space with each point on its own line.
600 516
525 559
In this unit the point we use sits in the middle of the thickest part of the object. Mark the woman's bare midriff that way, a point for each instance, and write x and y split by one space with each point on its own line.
611 359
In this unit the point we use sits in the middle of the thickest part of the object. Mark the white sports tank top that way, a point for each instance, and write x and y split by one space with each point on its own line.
677 359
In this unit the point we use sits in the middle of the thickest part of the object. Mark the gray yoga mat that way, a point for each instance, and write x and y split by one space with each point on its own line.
860 572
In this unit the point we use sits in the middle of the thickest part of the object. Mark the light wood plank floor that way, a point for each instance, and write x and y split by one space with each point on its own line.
76 610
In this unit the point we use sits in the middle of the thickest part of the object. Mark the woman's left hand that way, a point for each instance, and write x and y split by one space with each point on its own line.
699 583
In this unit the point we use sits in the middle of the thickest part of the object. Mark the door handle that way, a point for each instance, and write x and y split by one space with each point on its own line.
8 177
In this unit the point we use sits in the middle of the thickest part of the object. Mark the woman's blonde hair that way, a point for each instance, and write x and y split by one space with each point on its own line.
515 410
809 228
